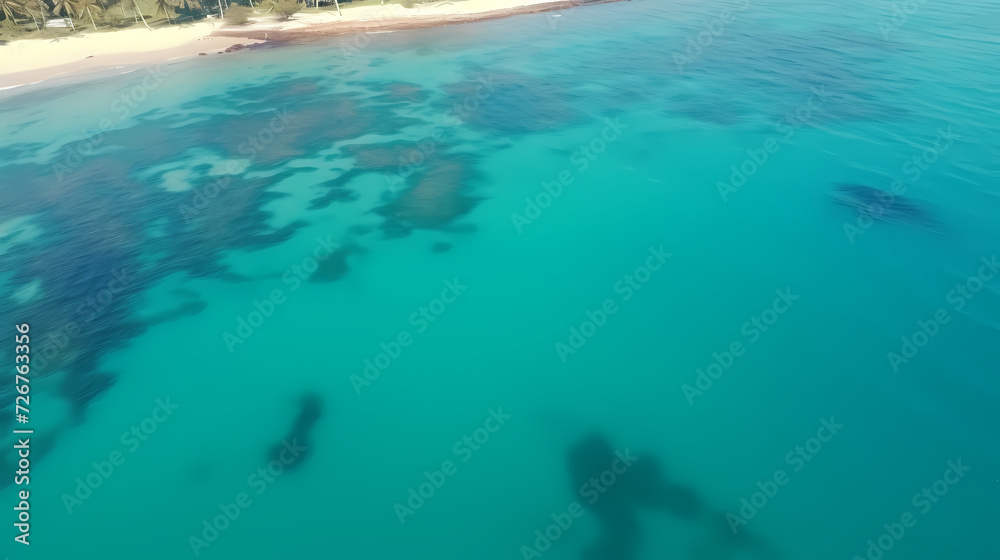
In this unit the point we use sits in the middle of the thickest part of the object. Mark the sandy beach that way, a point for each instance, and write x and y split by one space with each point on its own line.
28 61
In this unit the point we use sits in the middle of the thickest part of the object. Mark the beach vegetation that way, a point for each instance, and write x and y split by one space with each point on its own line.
121 8
63 7
10 7
30 17
285 9
35 13
10 30
191 12
163 7
88 7
238 15
114 19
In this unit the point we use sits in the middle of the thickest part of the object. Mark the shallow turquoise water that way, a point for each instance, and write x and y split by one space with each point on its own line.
410 156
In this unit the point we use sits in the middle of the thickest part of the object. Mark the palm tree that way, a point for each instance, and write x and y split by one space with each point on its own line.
88 6
137 10
10 7
32 11
162 6
42 11
335 3
63 6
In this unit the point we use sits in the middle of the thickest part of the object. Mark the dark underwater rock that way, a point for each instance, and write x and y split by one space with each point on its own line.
297 444
638 482
883 205
334 266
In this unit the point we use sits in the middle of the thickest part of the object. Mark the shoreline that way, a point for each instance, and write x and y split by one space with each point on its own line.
406 22
38 60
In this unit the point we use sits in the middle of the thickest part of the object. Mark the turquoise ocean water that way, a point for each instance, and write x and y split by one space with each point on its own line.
624 229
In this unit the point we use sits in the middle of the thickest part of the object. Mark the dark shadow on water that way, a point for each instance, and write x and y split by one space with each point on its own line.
639 483
399 92
296 446
507 103
882 205
98 228
435 196
334 266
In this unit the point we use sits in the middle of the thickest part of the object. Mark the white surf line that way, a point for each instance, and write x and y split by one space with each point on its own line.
33 83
